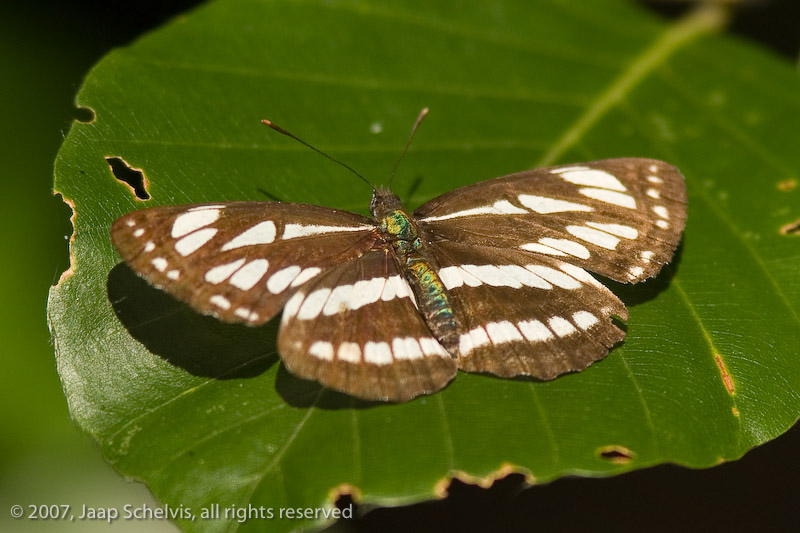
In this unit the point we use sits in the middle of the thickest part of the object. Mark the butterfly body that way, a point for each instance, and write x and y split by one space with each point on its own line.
408 246
491 277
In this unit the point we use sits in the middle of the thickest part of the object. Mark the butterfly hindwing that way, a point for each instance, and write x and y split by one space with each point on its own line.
239 261
356 329
530 316
621 218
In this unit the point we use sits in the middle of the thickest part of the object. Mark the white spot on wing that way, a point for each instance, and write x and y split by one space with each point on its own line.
192 242
338 300
591 177
139 232
596 237
580 274
635 271
565 245
306 275
646 256
406 348
220 273
431 346
350 352
584 319
542 249
193 220
261 233
281 279
322 350
246 277
246 314
479 337
535 331
377 353
544 205
500 207
525 277
559 279
653 193
220 301
159 263
663 224
492 275
312 306
149 247
451 277
661 211
293 305
654 179
609 197
616 229
292 231
174 274
366 292
502 332
561 326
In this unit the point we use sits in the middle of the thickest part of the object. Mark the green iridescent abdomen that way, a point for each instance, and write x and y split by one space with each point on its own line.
433 299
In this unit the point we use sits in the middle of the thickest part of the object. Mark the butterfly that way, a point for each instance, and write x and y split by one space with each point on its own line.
491 277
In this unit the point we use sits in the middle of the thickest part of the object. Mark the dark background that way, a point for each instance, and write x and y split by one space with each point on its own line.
47 49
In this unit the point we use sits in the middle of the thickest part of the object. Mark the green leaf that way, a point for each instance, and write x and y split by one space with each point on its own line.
204 413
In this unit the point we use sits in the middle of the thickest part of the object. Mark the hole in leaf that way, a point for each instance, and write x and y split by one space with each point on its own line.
85 114
132 177
793 228
615 453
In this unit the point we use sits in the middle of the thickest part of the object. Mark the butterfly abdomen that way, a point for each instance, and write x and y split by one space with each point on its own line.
431 295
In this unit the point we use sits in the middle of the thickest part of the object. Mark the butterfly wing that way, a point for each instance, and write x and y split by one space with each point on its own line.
621 218
356 329
523 316
238 261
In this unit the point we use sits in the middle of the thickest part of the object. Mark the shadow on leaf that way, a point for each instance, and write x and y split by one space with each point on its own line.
303 393
201 345
639 293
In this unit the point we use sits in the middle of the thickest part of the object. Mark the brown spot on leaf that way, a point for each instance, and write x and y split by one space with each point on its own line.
617 454
792 228
132 177
735 411
727 379
787 185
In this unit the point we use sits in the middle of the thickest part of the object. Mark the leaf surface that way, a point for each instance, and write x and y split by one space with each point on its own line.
204 413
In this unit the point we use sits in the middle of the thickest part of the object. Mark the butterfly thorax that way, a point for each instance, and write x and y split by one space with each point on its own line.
399 231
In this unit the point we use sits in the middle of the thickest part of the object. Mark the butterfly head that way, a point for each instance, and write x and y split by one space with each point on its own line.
383 202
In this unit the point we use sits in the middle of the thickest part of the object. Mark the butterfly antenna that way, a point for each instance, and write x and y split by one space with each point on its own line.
301 141
408 143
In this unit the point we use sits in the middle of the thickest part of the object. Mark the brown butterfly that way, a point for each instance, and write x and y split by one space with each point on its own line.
491 277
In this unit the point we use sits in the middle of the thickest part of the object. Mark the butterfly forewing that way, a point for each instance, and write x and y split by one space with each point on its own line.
621 218
239 261
356 329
